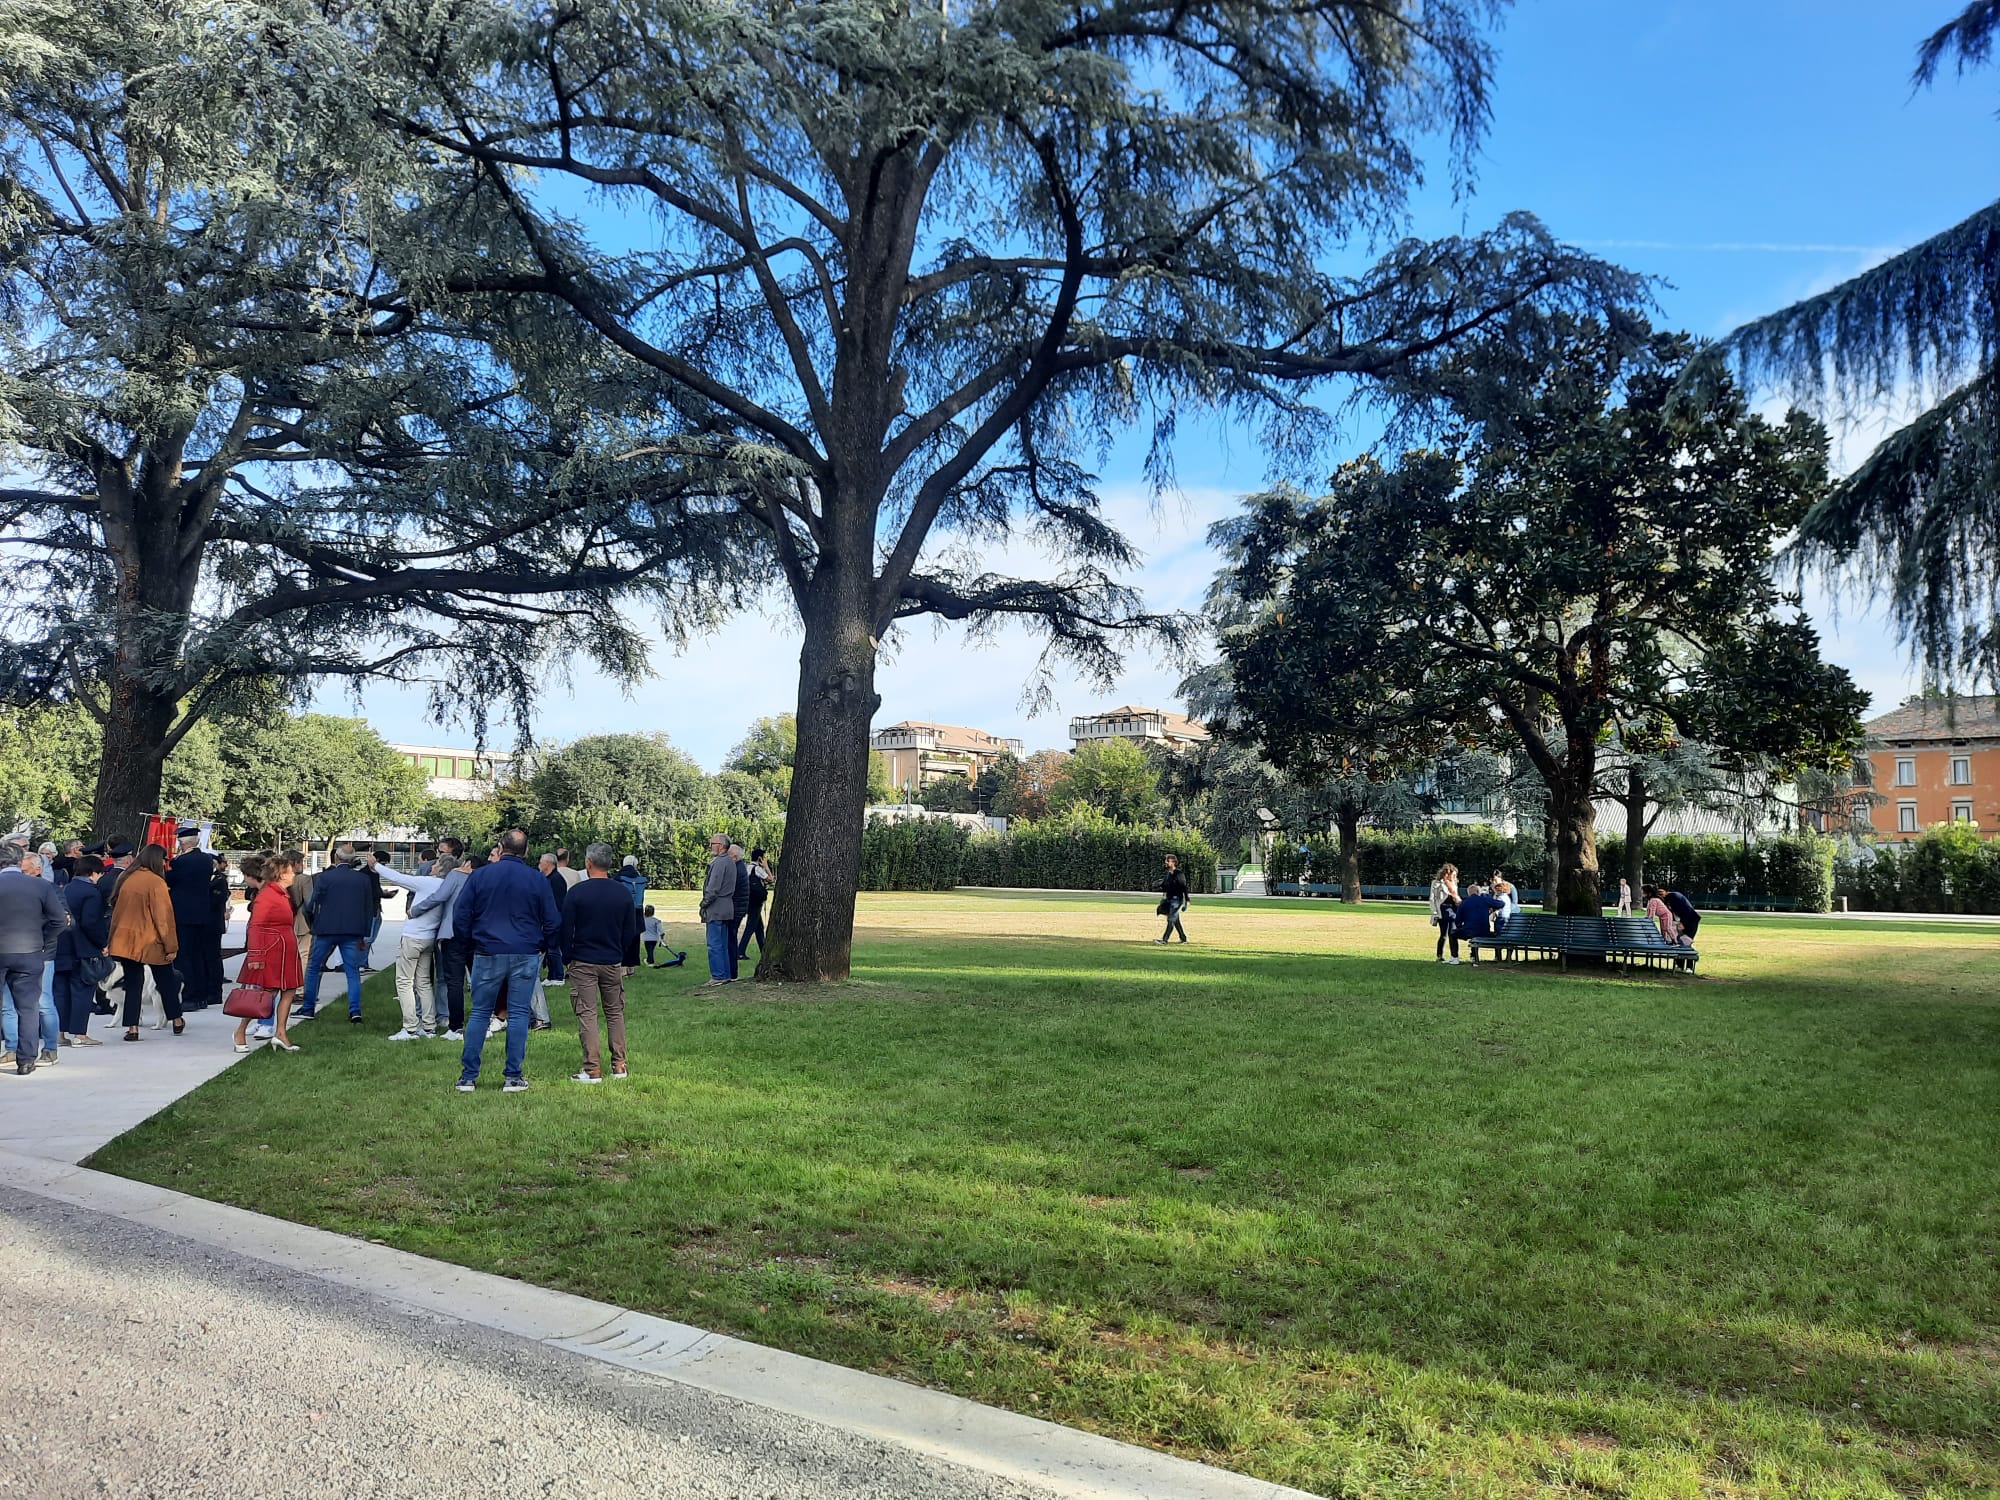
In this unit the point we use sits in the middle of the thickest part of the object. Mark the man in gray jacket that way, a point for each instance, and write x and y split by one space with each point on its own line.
32 916
718 909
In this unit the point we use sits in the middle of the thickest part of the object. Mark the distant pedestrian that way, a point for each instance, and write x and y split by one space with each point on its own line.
342 907
1502 890
1444 911
600 944
739 905
121 854
33 916
718 910
551 870
80 960
1624 898
145 940
760 890
569 875
52 866
72 851
1660 912
1685 915
270 951
1173 900
509 912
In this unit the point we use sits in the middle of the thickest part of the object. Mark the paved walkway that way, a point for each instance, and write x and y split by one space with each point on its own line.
173 1347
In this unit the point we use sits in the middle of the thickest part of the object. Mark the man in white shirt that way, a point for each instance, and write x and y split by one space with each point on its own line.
416 989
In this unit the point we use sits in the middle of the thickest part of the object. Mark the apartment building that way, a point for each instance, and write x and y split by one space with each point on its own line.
920 752
1935 760
1156 726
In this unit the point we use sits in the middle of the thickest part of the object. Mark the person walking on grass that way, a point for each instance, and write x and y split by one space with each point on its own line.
32 916
270 952
599 939
80 959
1173 900
718 911
551 869
342 908
1444 911
633 881
509 912
145 940
1624 897
416 952
761 882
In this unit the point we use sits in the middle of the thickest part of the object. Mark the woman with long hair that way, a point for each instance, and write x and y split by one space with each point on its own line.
271 954
145 940
1444 911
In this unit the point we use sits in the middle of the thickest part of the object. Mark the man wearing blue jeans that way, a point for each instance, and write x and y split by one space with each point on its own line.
509 913
32 916
718 912
339 910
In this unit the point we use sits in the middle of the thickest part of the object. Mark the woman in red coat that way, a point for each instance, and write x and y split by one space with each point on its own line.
271 952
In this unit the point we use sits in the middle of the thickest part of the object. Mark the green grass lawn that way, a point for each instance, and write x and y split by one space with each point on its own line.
1294 1199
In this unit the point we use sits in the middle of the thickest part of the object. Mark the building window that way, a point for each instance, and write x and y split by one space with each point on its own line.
1961 812
1961 770
1860 813
1906 817
1906 770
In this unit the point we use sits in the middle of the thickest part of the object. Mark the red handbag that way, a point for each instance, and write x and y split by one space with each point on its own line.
249 1003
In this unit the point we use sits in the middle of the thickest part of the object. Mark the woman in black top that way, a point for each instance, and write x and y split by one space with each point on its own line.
1174 899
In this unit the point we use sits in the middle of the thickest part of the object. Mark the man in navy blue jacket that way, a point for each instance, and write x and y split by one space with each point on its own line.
340 911
600 943
188 880
510 915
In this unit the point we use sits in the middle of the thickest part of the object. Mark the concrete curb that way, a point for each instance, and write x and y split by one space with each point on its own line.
1060 1459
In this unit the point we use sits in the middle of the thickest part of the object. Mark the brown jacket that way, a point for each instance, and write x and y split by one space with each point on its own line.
142 923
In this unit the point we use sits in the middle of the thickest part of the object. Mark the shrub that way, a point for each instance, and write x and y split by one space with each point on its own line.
1949 869
1085 851
914 854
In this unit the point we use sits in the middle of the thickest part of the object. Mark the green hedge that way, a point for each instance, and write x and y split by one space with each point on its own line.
914 854
1412 856
1084 851
673 855
1789 868
1949 869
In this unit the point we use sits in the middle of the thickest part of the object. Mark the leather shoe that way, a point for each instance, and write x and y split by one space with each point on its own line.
24 1068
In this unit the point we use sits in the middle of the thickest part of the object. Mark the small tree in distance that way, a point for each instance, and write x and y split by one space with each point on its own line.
1597 559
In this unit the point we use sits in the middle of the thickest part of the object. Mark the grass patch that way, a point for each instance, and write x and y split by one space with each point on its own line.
1293 1199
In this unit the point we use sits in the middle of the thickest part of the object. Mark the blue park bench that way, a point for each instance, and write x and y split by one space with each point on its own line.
1625 941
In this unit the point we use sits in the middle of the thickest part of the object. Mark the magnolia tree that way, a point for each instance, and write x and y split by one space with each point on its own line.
246 436
903 272
1594 561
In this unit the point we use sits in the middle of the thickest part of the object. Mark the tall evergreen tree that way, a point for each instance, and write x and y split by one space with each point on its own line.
1922 513
245 434
911 268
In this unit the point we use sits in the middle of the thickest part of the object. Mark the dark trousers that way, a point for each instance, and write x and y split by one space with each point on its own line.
454 962
75 995
165 980
1448 930
735 944
556 970
753 927
198 946
21 977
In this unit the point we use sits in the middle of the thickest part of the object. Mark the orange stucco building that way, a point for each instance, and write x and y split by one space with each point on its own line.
1934 760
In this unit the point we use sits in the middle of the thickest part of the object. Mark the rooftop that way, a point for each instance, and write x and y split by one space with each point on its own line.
1976 717
949 736
1180 726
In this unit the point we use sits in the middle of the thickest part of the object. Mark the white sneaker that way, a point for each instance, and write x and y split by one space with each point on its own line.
405 1035
1451 960
585 1078
262 1031
454 1036
496 1027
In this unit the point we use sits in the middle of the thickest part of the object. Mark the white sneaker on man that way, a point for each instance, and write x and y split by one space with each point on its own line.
585 1077
453 1035
1451 960
262 1031
406 1035
496 1027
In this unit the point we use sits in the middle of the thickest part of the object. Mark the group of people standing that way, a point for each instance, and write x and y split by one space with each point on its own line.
73 919
1471 915
733 893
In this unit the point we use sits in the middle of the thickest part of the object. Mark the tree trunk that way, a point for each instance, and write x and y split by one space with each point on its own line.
1350 857
128 776
1579 886
1635 828
1551 859
812 913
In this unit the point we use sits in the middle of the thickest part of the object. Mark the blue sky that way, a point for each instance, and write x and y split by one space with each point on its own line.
1746 153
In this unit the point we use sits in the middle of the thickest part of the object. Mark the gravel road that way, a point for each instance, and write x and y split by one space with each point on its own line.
136 1365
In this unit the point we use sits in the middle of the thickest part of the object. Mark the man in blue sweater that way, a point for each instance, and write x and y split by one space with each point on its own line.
600 944
339 911
509 914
